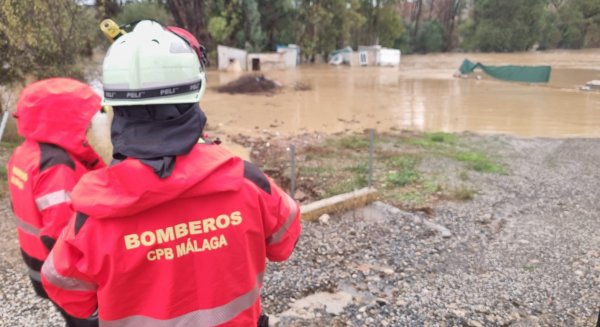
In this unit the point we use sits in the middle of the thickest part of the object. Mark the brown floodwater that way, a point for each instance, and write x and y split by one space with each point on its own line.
421 95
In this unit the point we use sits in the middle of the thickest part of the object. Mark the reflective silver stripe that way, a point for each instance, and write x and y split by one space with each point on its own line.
66 283
203 317
34 274
52 199
278 235
26 227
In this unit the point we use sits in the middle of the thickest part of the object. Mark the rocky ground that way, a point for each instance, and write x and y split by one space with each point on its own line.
524 252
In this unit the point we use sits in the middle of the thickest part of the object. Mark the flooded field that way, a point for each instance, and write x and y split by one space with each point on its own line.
421 95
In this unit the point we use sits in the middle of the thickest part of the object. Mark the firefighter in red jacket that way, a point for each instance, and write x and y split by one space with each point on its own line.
52 115
175 232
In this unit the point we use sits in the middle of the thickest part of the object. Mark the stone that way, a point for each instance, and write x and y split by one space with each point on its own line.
324 219
400 303
474 323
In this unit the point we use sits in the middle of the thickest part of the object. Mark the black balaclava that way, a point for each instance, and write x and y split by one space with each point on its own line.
155 134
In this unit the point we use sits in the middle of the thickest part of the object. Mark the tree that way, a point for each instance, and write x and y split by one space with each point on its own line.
107 8
550 34
254 37
135 11
313 18
501 25
224 22
327 25
277 21
44 39
448 14
190 14
390 27
430 38
579 23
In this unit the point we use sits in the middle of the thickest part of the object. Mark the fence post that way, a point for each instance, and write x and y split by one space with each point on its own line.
371 150
292 170
3 124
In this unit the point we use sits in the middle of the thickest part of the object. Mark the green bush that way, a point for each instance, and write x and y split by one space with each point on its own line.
430 38
550 33
44 38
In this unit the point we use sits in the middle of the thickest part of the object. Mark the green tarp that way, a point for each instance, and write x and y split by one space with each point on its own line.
528 74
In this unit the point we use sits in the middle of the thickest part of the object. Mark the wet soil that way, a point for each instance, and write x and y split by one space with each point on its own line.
254 83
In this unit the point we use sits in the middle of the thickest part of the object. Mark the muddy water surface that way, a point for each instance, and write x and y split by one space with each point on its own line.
421 95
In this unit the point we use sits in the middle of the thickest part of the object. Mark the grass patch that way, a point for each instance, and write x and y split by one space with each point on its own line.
354 142
339 164
3 181
402 177
479 161
432 186
412 197
462 193
346 186
403 170
359 169
315 171
435 140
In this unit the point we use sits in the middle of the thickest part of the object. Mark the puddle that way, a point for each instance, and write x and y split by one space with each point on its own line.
422 95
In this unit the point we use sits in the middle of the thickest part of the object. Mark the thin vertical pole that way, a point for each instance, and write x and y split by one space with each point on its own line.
292 170
371 150
3 124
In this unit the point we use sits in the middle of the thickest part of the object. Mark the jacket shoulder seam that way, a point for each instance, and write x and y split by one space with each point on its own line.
256 176
52 155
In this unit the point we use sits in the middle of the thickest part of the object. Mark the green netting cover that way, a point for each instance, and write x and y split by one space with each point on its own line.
529 74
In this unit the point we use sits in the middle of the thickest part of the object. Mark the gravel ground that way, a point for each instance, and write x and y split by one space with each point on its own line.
524 252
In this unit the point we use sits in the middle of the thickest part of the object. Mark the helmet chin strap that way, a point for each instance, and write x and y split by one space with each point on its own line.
156 134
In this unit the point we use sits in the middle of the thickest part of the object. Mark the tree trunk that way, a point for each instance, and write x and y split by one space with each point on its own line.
419 4
189 14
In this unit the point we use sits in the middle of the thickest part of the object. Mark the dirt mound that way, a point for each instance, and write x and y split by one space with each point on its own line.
249 84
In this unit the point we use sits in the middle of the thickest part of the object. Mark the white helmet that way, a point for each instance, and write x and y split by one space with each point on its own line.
151 65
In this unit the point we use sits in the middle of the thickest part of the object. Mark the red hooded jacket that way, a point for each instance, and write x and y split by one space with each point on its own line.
186 250
53 116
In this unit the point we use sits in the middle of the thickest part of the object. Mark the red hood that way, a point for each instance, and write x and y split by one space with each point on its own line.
131 187
58 111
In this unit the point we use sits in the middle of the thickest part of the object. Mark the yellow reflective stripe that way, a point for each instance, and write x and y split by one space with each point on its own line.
60 281
52 199
203 317
278 235
26 227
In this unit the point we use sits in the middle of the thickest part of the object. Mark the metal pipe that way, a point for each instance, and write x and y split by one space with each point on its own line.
292 170
3 124
371 151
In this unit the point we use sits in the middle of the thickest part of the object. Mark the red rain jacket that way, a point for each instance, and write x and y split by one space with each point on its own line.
187 250
53 116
